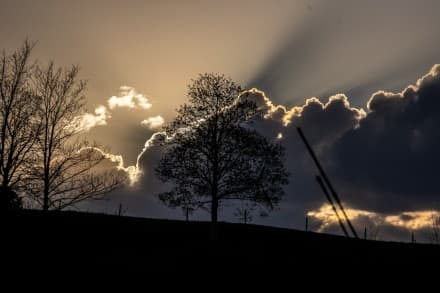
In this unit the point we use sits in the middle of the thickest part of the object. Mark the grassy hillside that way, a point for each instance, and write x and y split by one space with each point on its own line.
72 238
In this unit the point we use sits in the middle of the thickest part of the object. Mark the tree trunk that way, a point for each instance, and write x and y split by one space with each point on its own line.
4 193
214 218
46 197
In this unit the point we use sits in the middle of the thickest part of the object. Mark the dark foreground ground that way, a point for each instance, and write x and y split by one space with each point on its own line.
94 241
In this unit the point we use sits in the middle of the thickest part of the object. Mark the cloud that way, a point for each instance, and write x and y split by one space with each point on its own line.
382 160
379 226
134 172
408 220
390 162
336 114
153 122
131 171
322 122
128 97
87 121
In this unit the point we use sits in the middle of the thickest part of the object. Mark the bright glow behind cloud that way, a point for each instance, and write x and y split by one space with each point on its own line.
134 171
87 121
409 220
153 122
128 97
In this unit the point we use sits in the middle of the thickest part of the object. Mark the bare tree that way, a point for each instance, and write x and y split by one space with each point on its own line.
244 213
66 168
214 156
18 127
374 227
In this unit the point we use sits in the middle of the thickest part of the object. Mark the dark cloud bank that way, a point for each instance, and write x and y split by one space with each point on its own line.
392 159
384 159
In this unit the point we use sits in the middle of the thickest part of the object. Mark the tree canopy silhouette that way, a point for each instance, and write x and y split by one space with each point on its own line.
213 155
43 156
66 168
18 129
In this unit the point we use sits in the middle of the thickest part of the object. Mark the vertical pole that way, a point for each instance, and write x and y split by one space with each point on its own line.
120 210
365 233
307 223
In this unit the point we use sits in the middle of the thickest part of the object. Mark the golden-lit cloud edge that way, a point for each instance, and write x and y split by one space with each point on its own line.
287 116
128 98
411 220
153 122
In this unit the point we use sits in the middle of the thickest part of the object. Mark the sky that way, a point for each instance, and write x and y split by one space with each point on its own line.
329 59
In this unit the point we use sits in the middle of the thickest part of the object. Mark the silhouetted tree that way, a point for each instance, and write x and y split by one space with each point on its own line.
244 213
66 169
18 128
187 205
374 228
214 156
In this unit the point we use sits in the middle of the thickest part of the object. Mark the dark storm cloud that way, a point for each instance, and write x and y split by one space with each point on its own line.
384 161
391 161
323 124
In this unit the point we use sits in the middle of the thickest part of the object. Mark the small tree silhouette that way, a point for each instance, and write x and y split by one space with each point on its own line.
184 201
374 228
214 156
244 213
